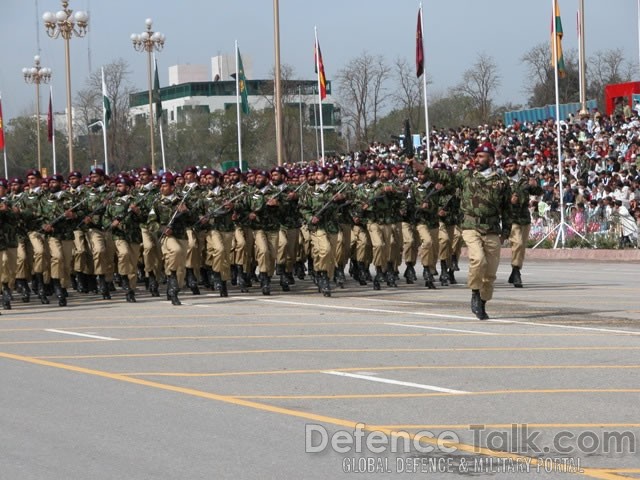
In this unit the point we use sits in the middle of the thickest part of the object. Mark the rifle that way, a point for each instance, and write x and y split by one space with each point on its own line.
218 211
176 213
124 215
326 205
61 217
99 208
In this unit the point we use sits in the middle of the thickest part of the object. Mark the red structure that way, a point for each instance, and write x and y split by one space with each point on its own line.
619 93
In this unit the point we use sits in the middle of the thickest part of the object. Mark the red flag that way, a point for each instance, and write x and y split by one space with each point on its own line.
322 79
419 46
1 128
50 121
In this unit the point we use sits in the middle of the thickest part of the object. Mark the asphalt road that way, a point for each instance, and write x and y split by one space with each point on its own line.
400 382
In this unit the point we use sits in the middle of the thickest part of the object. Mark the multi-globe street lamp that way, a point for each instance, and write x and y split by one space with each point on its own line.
67 24
149 41
37 75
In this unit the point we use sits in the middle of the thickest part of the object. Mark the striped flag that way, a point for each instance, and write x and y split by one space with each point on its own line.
106 103
557 58
1 127
50 119
322 79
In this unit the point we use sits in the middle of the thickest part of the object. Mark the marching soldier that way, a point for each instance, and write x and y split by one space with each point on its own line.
243 241
522 187
169 216
195 238
60 220
424 194
150 247
289 225
24 250
9 224
122 217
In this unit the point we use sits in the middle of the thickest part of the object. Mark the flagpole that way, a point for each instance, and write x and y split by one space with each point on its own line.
300 115
424 89
319 99
579 55
164 162
239 118
559 140
4 146
53 132
104 125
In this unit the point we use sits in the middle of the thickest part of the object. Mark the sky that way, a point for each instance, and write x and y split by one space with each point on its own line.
455 32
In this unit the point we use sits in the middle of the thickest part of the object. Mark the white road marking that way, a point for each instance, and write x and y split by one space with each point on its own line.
439 328
439 315
571 327
65 332
394 382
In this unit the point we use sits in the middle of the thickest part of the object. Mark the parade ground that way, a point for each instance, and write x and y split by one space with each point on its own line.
398 382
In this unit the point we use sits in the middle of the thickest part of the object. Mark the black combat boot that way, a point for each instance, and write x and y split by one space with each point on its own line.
429 281
204 275
290 278
25 292
6 297
475 301
153 285
217 281
117 279
284 282
265 283
173 289
242 280
454 263
234 275
378 278
515 277
444 277
42 295
362 273
192 281
410 273
298 270
223 288
103 288
311 271
482 313
130 293
57 288
340 278
325 284
81 281
391 278
452 278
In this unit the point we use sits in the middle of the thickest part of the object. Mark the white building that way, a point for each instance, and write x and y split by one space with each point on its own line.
189 92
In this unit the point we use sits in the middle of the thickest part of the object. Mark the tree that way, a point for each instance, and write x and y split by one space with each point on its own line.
479 83
408 93
541 86
605 67
363 94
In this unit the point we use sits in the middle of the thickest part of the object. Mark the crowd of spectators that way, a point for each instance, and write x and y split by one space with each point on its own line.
600 167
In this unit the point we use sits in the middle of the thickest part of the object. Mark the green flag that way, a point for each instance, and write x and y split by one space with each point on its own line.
106 103
242 85
156 92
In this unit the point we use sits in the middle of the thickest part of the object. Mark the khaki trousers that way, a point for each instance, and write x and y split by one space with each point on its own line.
40 253
484 258
8 266
381 239
150 252
102 252
361 243
456 246
25 255
194 251
429 246
446 241
287 243
174 255
409 242
61 260
219 252
79 252
243 247
343 245
396 244
518 238
127 254
323 251
304 249
266 244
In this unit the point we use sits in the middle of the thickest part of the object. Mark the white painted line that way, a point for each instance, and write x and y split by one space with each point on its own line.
439 315
439 328
394 382
362 309
425 304
65 332
571 327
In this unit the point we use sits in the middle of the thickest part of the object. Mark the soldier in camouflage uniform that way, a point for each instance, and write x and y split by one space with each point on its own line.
289 225
360 241
122 218
170 217
59 221
265 222
243 241
150 247
9 224
486 206
81 268
24 251
522 187
448 213
319 210
425 193
196 239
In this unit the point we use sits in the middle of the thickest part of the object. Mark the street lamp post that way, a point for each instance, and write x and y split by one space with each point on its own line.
37 75
149 41
66 24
